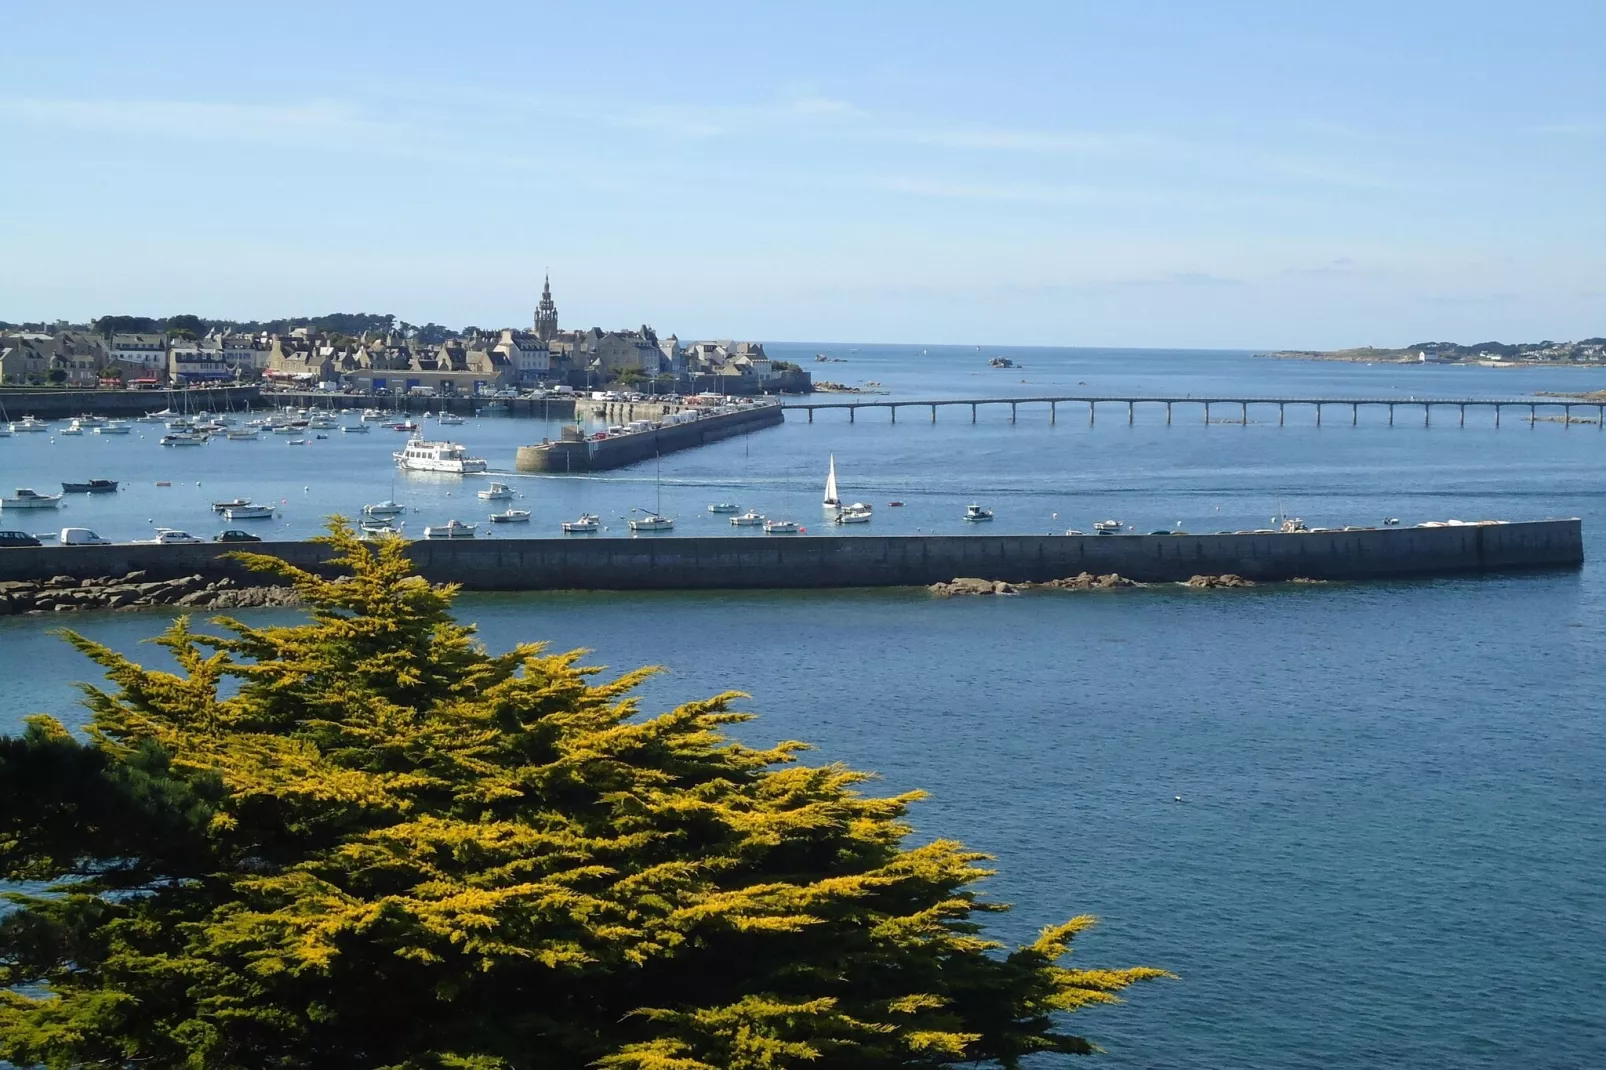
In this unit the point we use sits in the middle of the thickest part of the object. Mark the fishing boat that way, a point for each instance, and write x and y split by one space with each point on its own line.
449 418
354 429
248 512
422 456
588 524
832 500
511 516
452 529
724 507
231 503
496 492
112 427
183 438
29 424
93 486
781 527
386 508
74 428
749 519
976 513
1106 527
30 499
857 513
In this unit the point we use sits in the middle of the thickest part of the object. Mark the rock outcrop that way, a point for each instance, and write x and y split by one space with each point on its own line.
61 594
971 585
1226 580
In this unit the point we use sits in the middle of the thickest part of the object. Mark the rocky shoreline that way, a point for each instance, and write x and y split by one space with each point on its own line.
136 591
1086 581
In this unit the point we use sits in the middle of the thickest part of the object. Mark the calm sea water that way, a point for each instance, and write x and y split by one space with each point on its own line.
1390 845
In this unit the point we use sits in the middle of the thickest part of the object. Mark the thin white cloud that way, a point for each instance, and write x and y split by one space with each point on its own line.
1576 129
1006 191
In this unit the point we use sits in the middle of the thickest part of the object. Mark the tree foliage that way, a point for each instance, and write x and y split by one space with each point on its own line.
366 841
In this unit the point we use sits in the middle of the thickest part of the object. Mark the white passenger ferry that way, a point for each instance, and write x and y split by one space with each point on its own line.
421 456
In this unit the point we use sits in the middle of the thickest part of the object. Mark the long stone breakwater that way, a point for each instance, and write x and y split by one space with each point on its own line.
670 563
666 431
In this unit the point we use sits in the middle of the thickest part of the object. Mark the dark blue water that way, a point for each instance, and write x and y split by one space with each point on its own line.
1390 845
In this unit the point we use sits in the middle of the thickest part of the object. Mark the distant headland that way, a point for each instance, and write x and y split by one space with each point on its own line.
1589 351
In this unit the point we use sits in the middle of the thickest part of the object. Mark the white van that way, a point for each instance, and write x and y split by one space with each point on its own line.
81 537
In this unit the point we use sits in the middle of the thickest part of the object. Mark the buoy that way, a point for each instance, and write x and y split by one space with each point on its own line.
1179 798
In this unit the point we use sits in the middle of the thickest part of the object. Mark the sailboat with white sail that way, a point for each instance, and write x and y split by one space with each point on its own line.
832 500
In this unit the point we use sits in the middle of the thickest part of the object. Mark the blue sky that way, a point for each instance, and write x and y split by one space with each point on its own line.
1160 174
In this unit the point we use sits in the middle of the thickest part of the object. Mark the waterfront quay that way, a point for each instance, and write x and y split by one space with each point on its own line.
659 428
675 563
1206 404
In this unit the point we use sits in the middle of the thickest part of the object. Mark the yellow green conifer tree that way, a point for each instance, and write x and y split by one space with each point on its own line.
366 841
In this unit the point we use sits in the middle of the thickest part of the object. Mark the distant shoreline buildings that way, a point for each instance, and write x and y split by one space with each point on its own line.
398 358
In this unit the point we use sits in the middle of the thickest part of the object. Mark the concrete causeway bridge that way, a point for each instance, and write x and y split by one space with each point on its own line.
1093 401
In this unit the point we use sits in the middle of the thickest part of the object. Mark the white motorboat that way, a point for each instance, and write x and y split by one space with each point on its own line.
230 503
1107 527
724 507
248 434
832 499
284 429
354 429
183 438
112 427
511 516
449 419
29 424
89 420
295 442
977 513
652 522
781 527
857 513
749 519
74 428
588 524
170 537
30 499
452 529
248 512
496 492
422 456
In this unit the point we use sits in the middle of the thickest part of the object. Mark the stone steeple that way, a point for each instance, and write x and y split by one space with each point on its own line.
546 314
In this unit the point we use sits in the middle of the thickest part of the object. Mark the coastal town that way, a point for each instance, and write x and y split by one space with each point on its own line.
1590 352
385 356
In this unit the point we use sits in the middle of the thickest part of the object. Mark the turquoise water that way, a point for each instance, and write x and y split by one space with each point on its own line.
1392 831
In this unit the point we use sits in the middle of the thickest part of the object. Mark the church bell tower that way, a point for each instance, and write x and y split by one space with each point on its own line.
546 314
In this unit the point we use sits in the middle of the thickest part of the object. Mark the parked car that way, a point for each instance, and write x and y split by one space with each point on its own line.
235 535
170 537
18 538
81 537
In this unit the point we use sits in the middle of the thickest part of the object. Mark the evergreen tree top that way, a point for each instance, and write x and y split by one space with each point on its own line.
366 841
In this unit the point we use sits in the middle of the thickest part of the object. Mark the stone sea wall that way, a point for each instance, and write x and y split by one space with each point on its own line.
655 562
64 404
